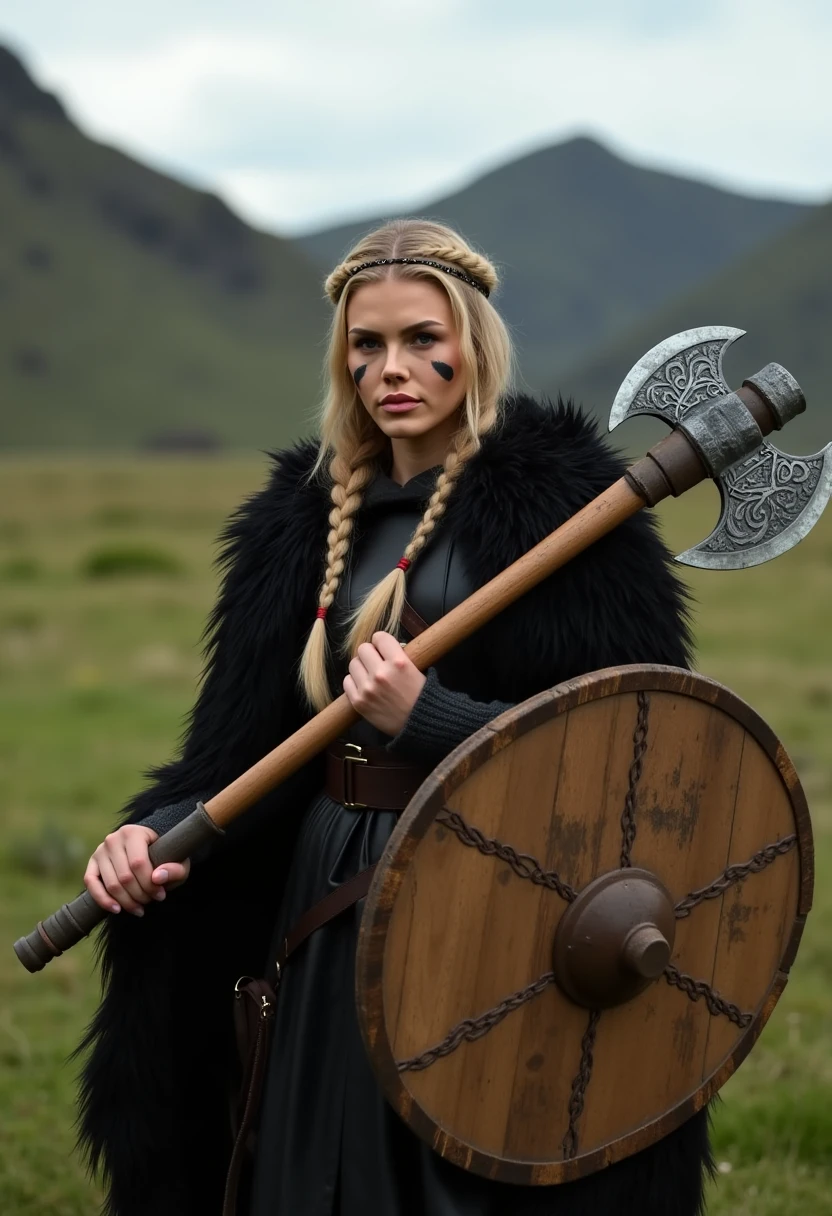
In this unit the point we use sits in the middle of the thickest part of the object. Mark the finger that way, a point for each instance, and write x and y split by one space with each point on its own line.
124 870
135 847
370 657
390 649
170 874
360 676
115 888
96 888
351 691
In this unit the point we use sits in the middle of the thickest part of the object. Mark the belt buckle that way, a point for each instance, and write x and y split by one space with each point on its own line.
349 786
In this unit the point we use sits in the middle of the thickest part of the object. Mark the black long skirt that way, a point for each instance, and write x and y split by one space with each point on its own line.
330 1145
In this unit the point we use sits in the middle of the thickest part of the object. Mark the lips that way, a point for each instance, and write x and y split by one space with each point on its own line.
399 403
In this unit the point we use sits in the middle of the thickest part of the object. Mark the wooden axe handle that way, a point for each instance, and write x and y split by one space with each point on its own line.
75 920
671 467
602 515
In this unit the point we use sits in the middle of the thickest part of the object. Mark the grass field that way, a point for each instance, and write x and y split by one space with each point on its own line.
105 579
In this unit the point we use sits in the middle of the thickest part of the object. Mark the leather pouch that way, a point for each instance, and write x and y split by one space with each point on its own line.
254 1003
254 1008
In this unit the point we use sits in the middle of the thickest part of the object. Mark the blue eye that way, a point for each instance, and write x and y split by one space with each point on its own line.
430 338
361 344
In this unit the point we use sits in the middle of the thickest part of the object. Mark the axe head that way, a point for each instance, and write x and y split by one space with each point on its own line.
769 500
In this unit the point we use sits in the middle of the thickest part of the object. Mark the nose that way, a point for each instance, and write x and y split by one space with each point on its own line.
395 366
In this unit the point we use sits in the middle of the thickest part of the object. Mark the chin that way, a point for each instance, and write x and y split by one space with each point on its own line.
405 427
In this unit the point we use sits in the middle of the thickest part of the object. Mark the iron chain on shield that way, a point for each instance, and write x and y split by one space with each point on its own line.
582 922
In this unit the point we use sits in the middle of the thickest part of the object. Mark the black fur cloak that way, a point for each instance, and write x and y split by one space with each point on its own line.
154 1093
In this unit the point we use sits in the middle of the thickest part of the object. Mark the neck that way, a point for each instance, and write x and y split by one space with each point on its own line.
413 456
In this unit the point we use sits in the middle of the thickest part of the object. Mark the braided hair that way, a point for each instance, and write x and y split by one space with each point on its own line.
352 442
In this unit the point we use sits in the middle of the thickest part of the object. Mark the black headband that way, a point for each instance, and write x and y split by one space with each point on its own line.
458 274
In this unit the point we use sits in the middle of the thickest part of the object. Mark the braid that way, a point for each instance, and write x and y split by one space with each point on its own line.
347 487
445 483
382 608
349 480
334 283
466 259
455 255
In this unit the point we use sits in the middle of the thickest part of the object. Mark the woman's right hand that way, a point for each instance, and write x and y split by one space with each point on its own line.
120 873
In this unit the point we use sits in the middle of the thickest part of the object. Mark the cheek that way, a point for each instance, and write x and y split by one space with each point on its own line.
446 372
358 366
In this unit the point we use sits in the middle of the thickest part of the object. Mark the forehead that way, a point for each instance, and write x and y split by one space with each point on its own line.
392 304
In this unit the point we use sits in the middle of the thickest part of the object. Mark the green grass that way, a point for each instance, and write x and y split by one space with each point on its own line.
97 673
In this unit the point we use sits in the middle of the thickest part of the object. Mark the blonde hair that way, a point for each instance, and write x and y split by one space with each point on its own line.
353 443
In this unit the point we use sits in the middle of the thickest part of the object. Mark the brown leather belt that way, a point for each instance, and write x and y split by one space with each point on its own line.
369 778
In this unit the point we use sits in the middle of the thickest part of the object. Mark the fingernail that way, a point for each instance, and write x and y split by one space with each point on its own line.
159 895
115 907
161 876
138 912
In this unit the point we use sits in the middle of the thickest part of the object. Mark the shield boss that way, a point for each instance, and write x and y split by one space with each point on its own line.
582 922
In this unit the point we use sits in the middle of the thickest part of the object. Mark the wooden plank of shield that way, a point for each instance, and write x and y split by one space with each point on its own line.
555 824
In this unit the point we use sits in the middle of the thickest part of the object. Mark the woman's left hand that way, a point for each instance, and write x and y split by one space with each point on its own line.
383 684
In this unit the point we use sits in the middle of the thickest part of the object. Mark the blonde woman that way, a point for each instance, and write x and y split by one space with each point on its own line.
429 477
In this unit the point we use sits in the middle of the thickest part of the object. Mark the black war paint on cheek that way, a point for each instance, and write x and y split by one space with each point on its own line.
446 372
358 374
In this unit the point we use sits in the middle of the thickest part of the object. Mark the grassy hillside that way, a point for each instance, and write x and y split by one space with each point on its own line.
780 294
97 671
588 243
132 305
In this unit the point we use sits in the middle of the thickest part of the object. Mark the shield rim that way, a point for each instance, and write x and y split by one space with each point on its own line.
412 826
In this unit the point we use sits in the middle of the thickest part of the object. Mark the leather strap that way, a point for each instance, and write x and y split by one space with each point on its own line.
412 622
325 910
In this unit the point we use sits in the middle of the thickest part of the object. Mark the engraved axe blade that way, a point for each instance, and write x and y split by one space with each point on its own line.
770 500
682 371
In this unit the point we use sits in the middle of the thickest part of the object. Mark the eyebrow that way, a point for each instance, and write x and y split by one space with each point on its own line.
408 329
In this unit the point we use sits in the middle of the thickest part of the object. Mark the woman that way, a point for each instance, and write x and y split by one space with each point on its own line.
429 479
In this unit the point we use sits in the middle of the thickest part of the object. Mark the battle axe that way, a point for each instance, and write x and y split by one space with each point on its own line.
769 502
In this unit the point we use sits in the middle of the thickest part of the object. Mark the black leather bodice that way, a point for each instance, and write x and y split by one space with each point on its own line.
436 582
387 520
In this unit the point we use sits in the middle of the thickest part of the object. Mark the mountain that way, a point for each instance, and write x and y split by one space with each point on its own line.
588 243
135 310
781 294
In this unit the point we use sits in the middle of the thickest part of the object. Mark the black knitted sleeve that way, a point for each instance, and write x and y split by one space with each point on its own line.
439 721
167 817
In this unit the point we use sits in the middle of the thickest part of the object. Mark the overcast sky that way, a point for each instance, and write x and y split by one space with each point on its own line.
305 113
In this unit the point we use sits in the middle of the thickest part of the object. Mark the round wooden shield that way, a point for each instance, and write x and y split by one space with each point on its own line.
582 922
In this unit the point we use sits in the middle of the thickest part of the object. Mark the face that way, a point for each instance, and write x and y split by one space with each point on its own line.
404 357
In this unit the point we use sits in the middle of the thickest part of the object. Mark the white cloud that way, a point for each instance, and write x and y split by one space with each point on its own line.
331 109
